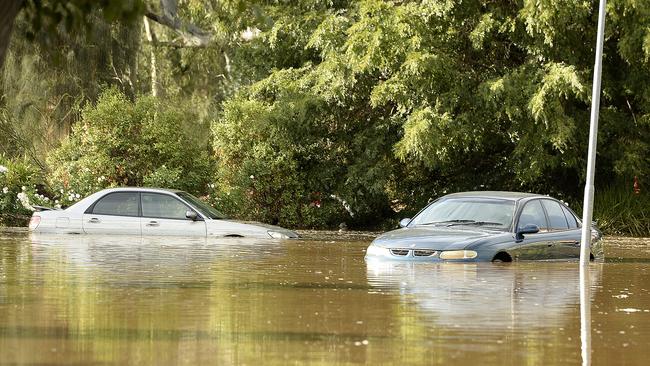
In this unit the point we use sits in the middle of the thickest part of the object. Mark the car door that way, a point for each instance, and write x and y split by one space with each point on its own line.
114 213
566 234
538 245
164 214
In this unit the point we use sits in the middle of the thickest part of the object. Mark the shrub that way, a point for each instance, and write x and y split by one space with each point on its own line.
18 191
619 211
119 142
273 163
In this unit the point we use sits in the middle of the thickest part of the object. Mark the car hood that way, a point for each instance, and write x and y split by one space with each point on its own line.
439 238
254 228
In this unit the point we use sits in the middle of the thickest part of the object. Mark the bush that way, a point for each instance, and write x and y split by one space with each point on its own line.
619 211
119 142
273 164
18 191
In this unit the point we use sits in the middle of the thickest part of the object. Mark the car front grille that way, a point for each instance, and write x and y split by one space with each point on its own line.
424 253
414 252
399 252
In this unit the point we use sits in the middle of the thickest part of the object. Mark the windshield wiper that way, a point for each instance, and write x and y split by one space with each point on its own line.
463 222
453 222
477 223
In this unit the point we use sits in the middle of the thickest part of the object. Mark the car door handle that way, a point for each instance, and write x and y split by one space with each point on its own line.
575 243
94 220
153 223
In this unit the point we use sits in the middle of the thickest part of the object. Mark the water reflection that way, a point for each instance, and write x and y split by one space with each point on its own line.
485 295
122 300
585 314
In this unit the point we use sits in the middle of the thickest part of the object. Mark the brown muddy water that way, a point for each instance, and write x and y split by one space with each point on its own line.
168 301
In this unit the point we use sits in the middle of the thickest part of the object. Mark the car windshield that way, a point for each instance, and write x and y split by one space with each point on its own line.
201 206
488 212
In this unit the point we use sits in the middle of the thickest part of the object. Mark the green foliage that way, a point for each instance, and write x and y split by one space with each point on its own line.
376 105
618 211
46 16
119 142
46 79
423 97
18 190
269 158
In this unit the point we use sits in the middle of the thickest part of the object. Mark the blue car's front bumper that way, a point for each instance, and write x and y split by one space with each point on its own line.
421 255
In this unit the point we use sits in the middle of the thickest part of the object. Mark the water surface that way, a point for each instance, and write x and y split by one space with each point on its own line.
128 300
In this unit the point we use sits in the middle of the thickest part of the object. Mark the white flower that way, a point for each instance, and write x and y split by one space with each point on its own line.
3 169
5 190
46 199
56 201
61 190
24 200
77 196
252 176
23 188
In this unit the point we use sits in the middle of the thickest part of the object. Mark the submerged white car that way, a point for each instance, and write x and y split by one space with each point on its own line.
148 211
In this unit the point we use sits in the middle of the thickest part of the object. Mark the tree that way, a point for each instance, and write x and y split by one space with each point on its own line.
8 11
49 15
424 97
121 142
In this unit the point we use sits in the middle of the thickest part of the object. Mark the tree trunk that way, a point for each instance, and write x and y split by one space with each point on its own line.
8 11
151 37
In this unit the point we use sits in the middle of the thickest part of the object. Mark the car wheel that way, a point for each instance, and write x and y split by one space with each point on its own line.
502 257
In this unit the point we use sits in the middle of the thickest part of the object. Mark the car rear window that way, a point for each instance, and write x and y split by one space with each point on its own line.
118 204
570 218
556 217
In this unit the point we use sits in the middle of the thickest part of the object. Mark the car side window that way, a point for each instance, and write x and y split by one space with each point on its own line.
118 204
163 206
556 218
533 213
570 218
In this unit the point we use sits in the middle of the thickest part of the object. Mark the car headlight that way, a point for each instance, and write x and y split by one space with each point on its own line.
375 251
458 254
278 235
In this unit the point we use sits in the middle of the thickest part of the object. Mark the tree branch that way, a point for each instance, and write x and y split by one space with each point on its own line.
189 34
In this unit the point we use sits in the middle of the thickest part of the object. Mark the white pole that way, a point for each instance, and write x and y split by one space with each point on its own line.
587 208
585 315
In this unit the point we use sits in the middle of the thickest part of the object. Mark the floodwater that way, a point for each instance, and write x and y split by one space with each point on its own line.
166 301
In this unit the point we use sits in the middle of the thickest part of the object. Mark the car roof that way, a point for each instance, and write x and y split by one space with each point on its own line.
140 189
511 196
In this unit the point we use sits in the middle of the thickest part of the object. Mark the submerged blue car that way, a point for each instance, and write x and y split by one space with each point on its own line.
487 226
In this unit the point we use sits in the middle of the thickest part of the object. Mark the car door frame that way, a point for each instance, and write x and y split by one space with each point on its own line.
90 220
537 246
147 223
566 242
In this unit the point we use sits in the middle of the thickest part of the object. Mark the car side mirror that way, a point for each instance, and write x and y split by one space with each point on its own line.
404 222
191 215
528 229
